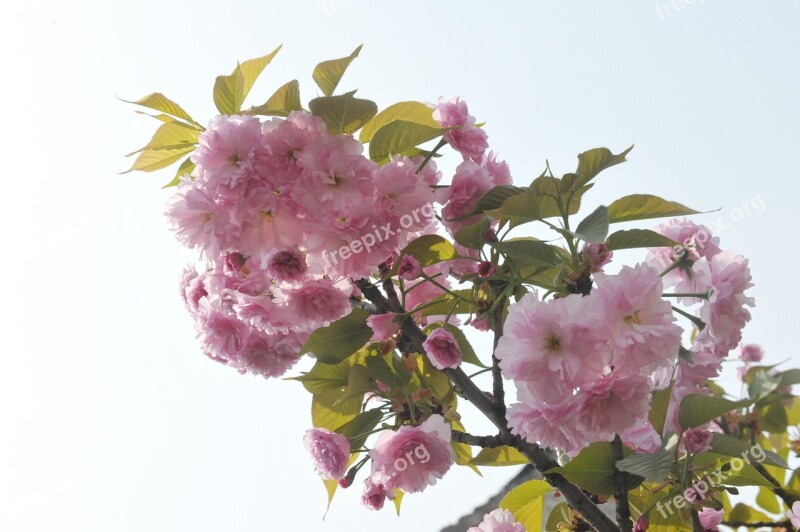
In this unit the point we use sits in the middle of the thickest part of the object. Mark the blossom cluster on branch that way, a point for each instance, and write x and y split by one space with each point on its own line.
371 266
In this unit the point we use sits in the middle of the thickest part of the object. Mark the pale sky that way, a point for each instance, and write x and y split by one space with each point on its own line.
112 420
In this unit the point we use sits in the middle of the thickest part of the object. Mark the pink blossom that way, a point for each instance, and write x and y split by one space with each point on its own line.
318 302
413 458
442 349
693 242
598 255
710 518
330 452
611 406
470 182
794 514
751 353
287 264
222 337
486 269
192 289
498 170
196 218
229 150
548 425
383 326
409 268
725 313
697 440
498 521
465 138
269 355
559 344
375 494
639 322
642 437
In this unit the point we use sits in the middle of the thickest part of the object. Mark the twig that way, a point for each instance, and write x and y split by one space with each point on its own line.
736 524
487 442
621 485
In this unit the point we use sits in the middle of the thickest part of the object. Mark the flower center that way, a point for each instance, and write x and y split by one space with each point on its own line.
634 318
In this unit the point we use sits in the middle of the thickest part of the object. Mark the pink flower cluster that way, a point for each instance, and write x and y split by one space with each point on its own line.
276 208
410 459
474 177
498 521
704 268
582 364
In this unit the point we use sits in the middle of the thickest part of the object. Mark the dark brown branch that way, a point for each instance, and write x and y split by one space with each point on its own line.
736 524
487 442
785 496
621 484
697 526
538 457
497 376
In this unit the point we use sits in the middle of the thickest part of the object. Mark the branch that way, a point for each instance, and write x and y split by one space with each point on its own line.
621 485
487 442
785 496
736 524
539 457
497 376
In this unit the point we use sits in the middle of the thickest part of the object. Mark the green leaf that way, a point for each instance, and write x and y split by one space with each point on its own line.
416 112
762 384
789 377
328 412
328 74
526 502
332 485
767 499
670 518
521 208
737 472
398 500
655 466
645 207
231 91
561 514
185 168
592 469
449 304
730 446
773 418
340 339
285 100
695 409
472 236
743 512
528 252
159 102
171 136
496 197
594 228
344 113
499 457
591 163
398 137
152 160
325 377
430 249
638 238
357 429
658 408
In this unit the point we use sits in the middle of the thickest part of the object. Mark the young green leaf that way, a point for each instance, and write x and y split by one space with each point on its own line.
231 91
416 112
652 466
159 102
285 100
594 228
644 207
344 113
696 409
340 339
526 502
638 238
328 74
398 138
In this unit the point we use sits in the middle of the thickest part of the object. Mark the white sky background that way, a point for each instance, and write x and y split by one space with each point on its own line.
110 417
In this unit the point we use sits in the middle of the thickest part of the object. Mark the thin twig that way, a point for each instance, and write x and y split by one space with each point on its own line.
621 485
